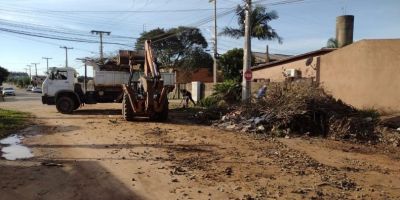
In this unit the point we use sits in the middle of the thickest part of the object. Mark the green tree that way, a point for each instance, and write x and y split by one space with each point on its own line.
332 43
231 64
176 47
260 27
196 58
3 74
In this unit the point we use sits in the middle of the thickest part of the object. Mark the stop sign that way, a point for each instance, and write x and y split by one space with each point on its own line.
248 75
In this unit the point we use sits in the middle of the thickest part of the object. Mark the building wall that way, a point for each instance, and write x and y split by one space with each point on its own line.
365 74
203 75
275 73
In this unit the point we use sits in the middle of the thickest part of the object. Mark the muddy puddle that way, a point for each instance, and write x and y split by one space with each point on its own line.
12 149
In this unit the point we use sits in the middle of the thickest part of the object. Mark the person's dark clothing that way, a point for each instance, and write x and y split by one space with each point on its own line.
187 96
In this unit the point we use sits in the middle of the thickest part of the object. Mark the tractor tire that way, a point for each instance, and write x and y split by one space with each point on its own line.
127 111
163 115
65 105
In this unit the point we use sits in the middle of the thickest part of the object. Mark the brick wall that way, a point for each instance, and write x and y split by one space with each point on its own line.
202 74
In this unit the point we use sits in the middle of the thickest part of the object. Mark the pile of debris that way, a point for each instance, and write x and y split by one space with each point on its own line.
304 109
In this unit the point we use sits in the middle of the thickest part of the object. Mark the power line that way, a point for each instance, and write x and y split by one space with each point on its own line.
57 37
113 11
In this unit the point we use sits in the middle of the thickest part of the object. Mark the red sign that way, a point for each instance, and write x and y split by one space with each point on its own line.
248 75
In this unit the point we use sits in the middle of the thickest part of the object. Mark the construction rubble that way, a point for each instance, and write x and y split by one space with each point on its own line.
301 109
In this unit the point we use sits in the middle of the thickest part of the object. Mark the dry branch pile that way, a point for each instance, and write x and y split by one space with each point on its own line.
301 108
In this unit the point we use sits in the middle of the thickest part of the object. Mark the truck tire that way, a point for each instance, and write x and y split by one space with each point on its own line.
65 105
76 106
127 112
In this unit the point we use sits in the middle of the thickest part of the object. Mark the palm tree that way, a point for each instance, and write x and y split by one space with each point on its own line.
260 27
332 43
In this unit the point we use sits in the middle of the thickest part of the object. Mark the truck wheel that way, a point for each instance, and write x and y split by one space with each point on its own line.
77 105
65 105
127 112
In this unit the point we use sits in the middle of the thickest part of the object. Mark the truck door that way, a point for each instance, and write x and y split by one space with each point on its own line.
60 80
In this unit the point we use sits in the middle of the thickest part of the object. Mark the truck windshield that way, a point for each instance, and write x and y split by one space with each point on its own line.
59 75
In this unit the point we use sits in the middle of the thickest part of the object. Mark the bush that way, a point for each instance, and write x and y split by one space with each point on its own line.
20 81
209 102
229 90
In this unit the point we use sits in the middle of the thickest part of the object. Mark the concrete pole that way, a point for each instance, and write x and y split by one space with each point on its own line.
47 61
30 71
35 68
84 78
66 54
246 85
101 47
100 33
215 65
85 60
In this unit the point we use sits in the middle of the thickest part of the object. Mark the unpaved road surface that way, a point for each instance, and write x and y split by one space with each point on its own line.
95 154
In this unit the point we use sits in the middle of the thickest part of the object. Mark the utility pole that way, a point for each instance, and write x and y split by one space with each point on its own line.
144 27
30 71
100 33
35 68
246 84
47 61
84 60
215 65
66 54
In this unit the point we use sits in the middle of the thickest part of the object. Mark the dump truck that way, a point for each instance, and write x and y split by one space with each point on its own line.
62 89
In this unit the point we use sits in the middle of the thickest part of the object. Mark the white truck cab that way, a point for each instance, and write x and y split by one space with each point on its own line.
59 79
62 89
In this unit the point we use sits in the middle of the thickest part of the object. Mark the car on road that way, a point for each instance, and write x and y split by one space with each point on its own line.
37 90
29 88
8 91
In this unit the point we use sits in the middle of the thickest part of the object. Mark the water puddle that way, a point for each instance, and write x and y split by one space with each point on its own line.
13 149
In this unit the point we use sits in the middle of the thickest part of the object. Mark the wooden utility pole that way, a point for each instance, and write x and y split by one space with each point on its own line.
100 33
47 61
246 84
66 54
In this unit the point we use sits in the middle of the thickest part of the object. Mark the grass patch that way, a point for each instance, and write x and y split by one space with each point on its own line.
11 121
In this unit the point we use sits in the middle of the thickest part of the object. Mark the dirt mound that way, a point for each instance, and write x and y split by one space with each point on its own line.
302 108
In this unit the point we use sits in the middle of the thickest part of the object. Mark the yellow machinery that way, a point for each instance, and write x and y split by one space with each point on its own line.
148 96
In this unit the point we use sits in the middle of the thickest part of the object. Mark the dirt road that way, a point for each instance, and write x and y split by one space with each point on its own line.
94 154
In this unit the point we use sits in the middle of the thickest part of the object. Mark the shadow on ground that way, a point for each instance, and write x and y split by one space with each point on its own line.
97 112
76 180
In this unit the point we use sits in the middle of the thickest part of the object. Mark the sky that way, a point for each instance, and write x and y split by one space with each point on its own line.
304 25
